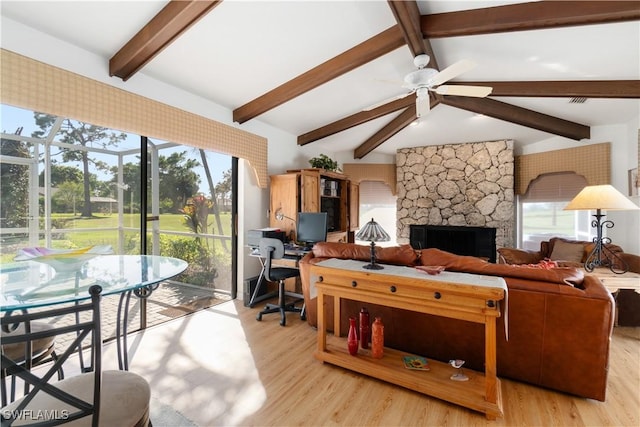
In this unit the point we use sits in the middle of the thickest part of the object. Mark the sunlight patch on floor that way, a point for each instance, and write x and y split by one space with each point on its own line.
203 361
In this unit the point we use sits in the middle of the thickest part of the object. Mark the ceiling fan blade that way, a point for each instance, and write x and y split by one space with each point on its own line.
386 101
462 90
423 105
452 71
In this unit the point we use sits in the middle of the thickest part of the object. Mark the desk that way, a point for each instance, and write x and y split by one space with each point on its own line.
32 284
294 253
469 297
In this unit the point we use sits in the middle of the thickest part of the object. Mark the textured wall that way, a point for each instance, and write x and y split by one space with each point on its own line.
458 184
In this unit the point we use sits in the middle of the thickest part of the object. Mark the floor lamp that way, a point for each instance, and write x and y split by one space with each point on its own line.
599 198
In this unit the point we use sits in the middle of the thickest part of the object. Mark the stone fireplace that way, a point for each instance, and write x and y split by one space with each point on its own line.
468 184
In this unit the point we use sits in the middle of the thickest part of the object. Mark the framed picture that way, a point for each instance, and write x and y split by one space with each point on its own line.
634 182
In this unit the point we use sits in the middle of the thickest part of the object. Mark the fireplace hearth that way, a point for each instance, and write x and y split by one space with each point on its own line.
460 240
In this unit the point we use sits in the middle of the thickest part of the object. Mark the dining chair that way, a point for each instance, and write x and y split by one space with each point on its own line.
271 249
91 398
42 350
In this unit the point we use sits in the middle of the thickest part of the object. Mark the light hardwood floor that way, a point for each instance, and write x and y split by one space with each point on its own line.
221 367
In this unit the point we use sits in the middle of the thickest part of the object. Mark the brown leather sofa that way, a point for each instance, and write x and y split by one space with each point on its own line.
627 300
567 253
559 321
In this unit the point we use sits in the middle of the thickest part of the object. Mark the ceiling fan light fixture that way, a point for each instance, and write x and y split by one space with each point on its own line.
423 103
421 77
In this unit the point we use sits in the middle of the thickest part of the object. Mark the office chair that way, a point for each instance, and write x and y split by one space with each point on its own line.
271 249
91 398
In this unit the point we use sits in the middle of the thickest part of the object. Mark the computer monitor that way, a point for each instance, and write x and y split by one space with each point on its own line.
312 228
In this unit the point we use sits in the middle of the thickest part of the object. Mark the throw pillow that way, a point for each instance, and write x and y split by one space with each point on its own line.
564 251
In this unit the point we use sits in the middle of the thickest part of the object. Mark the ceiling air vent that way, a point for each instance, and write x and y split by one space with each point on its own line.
577 100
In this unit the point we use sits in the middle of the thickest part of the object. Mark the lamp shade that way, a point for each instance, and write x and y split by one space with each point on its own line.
604 197
372 232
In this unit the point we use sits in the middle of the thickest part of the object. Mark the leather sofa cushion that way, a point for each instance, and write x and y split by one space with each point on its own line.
468 264
519 256
396 255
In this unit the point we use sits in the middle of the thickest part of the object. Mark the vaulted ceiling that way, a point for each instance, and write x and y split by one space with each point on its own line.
312 68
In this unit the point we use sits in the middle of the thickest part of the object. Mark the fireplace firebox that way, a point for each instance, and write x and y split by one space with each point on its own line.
460 240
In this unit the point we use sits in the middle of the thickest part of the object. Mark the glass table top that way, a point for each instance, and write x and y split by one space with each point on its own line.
29 284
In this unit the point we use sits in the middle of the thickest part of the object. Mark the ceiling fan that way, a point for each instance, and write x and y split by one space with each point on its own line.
424 79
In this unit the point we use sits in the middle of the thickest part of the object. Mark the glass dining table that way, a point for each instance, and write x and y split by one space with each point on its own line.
39 283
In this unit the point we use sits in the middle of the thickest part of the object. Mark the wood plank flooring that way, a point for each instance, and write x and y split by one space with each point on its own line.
221 367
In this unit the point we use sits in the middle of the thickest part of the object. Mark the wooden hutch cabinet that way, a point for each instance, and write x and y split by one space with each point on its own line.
315 190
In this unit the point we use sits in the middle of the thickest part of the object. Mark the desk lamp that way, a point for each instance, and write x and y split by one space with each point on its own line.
280 216
598 198
372 232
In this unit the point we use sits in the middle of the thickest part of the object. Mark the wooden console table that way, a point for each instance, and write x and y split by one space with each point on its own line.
462 296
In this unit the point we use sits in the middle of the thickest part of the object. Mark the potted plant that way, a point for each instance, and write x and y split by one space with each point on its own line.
324 162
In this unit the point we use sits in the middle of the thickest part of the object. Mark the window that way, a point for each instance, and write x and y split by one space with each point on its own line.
542 214
70 184
377 202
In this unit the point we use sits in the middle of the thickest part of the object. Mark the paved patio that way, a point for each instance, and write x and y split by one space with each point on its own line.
168 301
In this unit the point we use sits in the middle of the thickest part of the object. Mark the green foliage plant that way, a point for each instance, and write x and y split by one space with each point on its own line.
324 162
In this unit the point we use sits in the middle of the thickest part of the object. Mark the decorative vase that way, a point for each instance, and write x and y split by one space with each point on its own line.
352 338
365 331
377 339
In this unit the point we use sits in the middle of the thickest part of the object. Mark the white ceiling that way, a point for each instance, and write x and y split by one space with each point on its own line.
243 49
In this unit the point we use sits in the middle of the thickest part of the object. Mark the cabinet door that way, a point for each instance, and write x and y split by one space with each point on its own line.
309 191
354 206
284 198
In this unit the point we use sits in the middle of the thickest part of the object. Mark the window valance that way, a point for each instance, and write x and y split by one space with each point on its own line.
591 161
358 172
27 83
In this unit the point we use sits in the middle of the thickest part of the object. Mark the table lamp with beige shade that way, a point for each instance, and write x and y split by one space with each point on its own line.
599 198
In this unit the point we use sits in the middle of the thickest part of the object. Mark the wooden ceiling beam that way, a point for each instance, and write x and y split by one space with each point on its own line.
563 88
527 16
362 53
173 20
408 17
395 126
355 120
522 116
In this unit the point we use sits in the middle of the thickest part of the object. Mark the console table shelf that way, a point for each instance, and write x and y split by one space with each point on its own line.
455 295
436 382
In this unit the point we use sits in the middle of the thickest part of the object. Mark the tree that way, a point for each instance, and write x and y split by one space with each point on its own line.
60 174
84 134
68 196
130 181
178 181
214 198
223 188
14 185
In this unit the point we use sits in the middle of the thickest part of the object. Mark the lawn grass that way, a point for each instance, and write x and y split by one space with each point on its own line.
102 229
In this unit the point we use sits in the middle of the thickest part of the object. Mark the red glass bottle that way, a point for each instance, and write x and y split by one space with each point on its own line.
377 339
365 331
352 338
